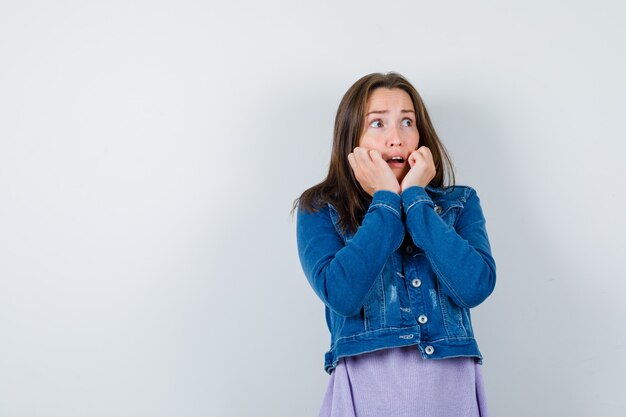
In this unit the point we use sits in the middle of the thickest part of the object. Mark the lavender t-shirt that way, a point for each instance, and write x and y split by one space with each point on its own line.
398 382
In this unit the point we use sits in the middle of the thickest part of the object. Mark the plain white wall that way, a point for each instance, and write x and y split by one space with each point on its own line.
150 152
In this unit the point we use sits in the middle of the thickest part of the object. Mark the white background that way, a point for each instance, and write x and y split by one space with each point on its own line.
150 152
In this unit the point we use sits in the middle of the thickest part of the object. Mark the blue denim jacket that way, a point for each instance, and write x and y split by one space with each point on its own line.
383 287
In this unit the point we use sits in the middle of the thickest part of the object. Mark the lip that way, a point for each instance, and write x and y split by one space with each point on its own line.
387 157
396 164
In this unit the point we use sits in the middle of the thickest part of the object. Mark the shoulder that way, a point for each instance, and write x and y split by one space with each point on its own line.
320 216
313 213
460 193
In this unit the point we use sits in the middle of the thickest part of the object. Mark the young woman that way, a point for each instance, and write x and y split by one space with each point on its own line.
399 255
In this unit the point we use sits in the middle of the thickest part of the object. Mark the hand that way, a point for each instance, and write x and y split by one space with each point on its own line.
422 169
372 172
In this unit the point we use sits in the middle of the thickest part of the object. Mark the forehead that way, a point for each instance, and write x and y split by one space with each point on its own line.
389 99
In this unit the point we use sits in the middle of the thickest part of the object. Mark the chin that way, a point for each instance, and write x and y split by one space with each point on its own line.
400 176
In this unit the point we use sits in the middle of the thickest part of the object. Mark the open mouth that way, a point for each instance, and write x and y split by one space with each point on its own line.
395 160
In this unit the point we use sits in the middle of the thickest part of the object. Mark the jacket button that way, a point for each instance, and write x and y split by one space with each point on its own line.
438 209
409 249
416 282
429 350
422 319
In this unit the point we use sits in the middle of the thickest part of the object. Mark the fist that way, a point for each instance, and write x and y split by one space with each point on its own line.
422 169
372 172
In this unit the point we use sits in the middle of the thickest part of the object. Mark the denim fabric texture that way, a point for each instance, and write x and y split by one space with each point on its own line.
408 276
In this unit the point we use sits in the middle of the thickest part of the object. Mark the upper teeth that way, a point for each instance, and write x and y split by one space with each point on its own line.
399 158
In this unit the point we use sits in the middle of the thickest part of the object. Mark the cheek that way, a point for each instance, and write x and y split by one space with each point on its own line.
367 141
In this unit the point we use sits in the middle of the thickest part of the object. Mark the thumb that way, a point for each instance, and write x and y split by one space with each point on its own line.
374 153
413 158
377 158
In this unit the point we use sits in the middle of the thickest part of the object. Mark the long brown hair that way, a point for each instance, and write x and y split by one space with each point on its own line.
340 188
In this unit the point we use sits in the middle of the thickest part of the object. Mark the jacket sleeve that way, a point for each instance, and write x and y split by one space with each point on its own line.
460 256
342 274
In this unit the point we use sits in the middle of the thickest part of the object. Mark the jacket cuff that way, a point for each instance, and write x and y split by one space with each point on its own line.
388 200
415 195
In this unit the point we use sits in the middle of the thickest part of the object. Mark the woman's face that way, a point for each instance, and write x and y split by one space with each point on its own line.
390 128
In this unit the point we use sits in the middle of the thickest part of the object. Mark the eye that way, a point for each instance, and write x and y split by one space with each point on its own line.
376 123
407 122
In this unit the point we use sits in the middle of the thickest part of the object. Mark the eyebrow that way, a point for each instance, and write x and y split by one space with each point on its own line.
387 111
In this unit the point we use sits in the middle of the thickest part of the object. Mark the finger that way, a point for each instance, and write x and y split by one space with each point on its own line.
362 153
418 158
378 161
375 156
363 157
428 157
353 162
425 152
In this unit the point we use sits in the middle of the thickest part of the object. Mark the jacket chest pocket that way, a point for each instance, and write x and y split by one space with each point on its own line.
448 211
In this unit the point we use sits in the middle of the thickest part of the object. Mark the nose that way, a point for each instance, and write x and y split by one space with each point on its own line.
394 138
